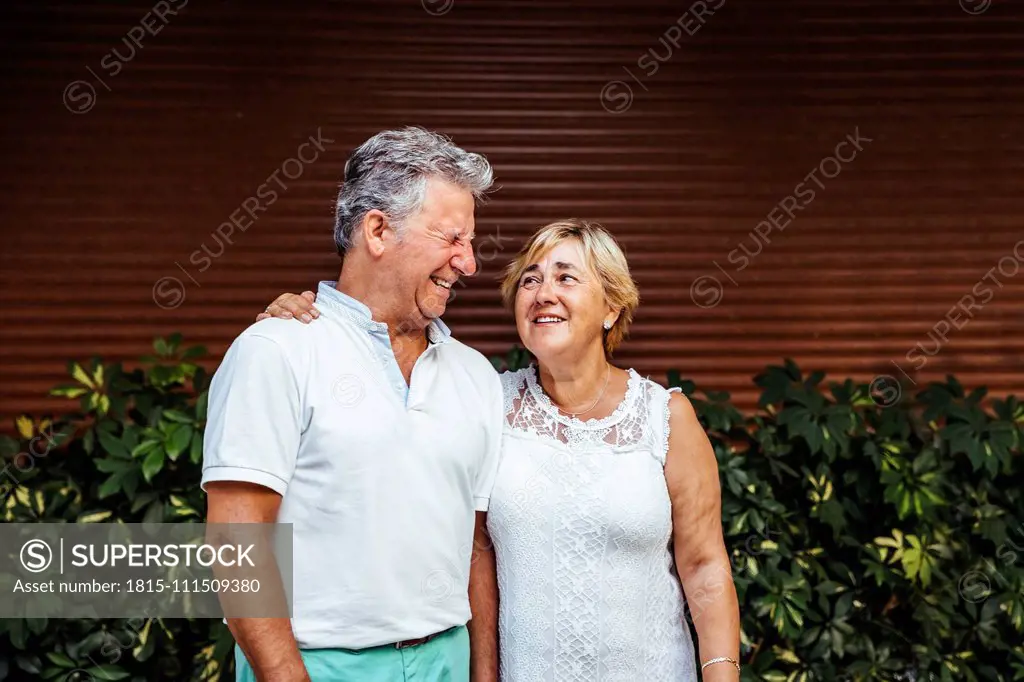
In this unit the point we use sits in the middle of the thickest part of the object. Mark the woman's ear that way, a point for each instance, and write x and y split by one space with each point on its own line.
612 317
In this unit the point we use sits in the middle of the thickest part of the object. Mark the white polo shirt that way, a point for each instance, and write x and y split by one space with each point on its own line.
381 491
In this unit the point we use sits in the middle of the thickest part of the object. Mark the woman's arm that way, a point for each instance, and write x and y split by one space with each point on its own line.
701 558
287 306
483 602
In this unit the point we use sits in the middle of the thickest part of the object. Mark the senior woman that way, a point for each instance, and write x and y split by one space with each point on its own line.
606 508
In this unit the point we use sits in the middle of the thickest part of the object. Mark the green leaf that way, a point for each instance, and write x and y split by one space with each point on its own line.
79 375
202 404
60 659
95 517
37 626
831 512
108 672
196 449
113 445
18 633
178 440
177 416
110 466
145 447
154 513
8 447
844 605
194 352
111 485
152 465
147 644
131 483
30 664
70 392
142 499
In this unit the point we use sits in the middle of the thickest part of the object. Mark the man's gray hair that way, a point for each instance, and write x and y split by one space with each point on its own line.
389 172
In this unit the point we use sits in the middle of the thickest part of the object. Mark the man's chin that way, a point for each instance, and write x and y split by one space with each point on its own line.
432 308
430 314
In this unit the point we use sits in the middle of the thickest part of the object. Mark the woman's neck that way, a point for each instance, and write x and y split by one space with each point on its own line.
576 385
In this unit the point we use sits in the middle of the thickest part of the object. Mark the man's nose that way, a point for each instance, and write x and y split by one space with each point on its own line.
464 261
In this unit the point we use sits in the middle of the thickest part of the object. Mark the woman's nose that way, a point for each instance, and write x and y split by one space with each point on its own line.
546 292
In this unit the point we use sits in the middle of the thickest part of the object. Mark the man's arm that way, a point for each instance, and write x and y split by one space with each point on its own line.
250 449
268 643
483 602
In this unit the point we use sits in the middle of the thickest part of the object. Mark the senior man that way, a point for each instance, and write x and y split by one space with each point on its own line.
375 433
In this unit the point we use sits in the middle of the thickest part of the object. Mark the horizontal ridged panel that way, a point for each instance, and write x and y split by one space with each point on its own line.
100 206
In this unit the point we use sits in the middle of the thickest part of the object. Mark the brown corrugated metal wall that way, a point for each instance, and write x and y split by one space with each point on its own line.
682 130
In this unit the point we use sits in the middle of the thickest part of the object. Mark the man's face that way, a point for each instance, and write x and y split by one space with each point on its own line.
435 249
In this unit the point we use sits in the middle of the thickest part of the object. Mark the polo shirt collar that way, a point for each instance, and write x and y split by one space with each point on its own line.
359 313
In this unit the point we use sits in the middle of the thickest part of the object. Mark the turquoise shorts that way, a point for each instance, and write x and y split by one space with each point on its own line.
443 659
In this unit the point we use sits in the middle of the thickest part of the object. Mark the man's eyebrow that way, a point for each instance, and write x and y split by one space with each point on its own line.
458 230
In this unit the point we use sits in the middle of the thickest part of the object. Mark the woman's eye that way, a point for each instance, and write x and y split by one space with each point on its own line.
566 278
528 281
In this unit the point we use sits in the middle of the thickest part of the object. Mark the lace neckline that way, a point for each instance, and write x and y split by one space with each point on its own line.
633 385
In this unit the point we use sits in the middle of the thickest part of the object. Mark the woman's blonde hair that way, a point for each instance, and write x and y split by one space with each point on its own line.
602 255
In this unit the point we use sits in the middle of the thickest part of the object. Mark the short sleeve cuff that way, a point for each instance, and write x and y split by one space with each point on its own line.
244 475
480 503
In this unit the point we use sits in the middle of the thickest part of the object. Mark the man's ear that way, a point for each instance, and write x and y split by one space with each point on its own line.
374 228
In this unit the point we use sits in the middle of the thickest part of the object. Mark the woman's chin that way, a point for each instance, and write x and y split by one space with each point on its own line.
544 349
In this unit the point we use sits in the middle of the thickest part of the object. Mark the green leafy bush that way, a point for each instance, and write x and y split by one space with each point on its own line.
873 542
132 452
868 542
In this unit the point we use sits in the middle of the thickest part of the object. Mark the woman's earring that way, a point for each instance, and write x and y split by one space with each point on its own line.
607 325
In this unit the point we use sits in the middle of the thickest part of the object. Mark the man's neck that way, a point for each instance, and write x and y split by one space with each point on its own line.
400 324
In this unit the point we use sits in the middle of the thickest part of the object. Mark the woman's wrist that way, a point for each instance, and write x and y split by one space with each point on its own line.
727 666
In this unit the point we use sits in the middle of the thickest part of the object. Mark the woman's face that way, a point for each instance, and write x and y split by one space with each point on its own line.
560 304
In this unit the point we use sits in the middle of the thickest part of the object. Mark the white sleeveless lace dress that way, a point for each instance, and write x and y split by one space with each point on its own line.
581 523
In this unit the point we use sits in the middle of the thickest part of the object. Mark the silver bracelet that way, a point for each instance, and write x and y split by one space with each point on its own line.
720 659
